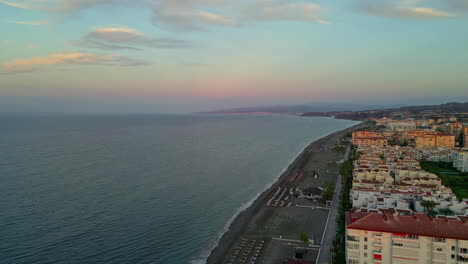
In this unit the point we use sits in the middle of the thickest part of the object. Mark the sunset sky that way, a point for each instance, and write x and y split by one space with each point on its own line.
195 55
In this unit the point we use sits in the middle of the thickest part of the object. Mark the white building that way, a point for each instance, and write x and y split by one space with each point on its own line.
405 239
373 198
458 207
402 125
460 160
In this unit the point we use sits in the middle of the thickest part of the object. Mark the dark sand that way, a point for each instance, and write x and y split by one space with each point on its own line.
261 222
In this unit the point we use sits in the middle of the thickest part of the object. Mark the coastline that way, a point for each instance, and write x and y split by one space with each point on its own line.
239 225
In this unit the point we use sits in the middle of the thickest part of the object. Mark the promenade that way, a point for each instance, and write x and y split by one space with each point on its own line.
278 218
324 255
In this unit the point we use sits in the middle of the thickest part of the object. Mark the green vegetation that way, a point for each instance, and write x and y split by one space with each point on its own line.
429 207
304 238
339 148
457 181
446 211
346 172
328 190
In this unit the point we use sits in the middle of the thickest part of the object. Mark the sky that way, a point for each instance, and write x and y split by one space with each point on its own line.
174 56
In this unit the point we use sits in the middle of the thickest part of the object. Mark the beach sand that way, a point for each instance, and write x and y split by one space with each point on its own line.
260 222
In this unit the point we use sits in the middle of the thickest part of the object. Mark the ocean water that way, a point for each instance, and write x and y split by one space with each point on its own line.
136 188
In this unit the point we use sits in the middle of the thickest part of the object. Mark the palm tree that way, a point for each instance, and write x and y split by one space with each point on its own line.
429 206
304 238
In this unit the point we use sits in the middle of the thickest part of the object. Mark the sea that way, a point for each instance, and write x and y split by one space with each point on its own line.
137 188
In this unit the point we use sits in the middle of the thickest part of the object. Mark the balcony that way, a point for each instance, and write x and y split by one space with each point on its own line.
353 238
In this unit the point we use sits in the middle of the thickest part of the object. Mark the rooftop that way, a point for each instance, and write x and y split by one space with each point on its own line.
417 224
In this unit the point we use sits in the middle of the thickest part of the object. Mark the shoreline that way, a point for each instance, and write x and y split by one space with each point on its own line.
240 223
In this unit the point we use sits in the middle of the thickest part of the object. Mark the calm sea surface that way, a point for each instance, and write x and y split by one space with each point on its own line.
136 188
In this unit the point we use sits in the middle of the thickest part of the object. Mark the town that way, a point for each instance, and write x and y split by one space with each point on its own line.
405 194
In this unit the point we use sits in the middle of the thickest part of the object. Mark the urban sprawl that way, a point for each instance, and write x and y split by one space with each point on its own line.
408 193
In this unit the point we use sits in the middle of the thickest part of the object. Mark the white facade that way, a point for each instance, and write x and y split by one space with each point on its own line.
460 160
368 247
402 126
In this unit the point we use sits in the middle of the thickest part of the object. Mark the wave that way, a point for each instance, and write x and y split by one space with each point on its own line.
203 256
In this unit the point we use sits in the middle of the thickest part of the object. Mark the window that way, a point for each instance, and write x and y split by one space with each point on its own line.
453 248
365 254
440 249
365 239
353 246
365 246
463 250
453 256
397 244
353 261
439 239
353 238
412 237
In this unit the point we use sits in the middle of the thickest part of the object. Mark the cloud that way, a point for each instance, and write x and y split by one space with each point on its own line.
56 6
17 5
190 20
276 10
31 23
125 38
6 42
394 9
457 4
68 58
193 14
181 15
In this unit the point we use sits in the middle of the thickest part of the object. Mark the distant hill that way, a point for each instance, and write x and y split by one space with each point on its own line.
301 108
453 107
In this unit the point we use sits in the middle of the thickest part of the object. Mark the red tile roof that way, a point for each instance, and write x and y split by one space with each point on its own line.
418 224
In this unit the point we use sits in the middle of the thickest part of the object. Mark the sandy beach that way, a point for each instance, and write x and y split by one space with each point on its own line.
277 218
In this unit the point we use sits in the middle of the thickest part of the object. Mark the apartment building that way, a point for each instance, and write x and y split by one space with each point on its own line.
460 160
435 139
366 134
401 125
376 237
375 141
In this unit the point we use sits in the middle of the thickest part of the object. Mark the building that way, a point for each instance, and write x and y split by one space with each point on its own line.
382 121
435 139
437 154
465 136
405 125
460 160
366 134
384 199
374 141
379 237
366 138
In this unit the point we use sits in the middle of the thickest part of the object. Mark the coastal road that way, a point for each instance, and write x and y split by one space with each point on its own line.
324 255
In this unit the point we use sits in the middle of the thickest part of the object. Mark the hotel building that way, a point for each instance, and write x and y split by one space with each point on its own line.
460 160
382 238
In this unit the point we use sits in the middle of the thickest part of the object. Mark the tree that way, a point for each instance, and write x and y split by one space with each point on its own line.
328 190
429 206
304 238
446 211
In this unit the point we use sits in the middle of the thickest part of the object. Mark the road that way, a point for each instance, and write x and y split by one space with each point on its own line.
324 255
